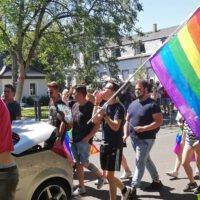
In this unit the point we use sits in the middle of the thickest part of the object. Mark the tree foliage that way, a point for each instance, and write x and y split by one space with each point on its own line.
53 31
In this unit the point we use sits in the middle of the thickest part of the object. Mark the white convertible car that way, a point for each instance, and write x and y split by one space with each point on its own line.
43 174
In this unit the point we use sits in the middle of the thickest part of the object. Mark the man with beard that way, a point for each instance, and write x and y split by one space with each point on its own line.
143 120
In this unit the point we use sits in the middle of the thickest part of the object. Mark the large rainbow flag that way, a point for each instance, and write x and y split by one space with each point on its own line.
177 65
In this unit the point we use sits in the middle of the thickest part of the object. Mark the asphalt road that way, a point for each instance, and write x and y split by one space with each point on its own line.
162 155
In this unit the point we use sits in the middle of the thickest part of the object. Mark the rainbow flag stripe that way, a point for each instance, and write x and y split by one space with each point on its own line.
177 65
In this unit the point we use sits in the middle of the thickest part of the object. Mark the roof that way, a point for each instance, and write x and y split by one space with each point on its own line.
6 71
33 72
149 36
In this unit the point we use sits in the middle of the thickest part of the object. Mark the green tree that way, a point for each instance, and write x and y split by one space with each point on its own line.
80 24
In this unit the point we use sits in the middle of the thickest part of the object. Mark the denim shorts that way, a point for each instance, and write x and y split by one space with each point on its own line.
81 152
8 183
190 142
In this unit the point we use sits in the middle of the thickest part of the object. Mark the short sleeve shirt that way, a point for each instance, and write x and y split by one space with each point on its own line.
140 114
111 137
14 109
81 114
6 143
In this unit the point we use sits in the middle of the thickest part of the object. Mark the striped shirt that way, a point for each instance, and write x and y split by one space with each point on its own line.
190 136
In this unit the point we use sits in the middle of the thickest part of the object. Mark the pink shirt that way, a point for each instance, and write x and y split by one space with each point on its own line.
6 143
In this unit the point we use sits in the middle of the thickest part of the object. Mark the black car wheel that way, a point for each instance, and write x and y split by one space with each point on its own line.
52 190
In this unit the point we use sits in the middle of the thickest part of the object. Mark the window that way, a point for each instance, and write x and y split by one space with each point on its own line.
33 90
115 52
125 74
139 48
163 39
142 48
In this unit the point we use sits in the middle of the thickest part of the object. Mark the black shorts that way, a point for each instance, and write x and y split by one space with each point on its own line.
110 158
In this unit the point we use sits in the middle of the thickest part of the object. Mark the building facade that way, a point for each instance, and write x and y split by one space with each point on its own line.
135 51
35 84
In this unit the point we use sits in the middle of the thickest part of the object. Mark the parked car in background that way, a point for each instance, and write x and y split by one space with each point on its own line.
43 174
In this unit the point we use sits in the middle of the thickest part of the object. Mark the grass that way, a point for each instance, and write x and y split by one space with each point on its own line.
30 112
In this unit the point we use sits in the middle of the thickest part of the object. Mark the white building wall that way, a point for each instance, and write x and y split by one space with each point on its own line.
152 46
4 82
129 62
41 86
128 51
1 86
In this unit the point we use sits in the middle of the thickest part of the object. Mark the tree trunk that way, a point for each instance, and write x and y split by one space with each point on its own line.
14 70
20 82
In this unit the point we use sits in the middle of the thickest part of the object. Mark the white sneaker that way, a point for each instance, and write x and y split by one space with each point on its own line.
79 191
97 181
127 193
125 175
172 174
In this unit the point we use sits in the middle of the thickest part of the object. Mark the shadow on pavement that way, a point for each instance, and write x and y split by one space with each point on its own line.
164 194
95 193
170 196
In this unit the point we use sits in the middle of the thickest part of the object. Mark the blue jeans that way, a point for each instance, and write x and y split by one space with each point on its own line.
142 149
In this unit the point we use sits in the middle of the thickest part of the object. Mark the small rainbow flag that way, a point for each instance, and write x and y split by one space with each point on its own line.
177 65
93 149
178 141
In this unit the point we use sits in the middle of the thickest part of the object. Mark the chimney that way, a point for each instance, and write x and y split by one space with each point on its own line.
155 28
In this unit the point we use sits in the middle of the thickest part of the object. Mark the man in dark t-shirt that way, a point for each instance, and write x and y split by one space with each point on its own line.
112 118
143 120
82 136
12 105
110 136
141 114
81 115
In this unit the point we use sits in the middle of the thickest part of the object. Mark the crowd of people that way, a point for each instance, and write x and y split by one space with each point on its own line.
135 112
131 113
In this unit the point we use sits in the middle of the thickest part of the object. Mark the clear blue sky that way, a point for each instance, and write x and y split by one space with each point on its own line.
165 13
